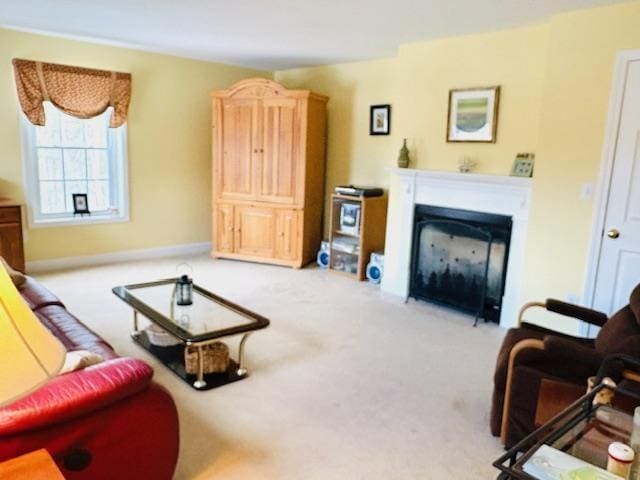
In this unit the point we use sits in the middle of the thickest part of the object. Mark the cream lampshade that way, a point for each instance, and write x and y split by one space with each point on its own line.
29 354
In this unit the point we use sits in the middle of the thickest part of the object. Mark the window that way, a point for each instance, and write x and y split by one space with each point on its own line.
70 155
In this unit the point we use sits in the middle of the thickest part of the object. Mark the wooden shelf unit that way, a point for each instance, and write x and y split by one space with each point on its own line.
370 236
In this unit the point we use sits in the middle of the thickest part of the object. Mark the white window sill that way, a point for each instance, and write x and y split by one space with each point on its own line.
77 221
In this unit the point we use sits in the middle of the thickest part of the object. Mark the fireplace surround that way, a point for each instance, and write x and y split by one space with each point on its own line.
490 194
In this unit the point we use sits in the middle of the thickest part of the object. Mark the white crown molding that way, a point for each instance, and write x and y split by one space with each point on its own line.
127 45
39 266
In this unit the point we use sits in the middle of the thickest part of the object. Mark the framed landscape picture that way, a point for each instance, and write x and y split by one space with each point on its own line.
380 120
473 115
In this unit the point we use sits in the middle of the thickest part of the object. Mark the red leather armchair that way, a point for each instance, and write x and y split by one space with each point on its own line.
108 421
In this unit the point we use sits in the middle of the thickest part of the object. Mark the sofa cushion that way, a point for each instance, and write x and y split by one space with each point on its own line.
79 359
36 295
18 278
73 334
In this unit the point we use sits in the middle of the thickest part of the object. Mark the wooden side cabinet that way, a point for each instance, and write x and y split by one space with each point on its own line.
11 246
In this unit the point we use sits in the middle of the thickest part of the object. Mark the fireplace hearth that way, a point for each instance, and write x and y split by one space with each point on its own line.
459 258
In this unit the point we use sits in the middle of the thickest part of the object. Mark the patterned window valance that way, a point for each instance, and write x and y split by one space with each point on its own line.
80 92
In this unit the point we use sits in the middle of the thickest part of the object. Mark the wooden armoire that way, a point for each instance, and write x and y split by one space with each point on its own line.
268 172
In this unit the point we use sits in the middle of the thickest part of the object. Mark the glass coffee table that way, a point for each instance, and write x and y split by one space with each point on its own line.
206 321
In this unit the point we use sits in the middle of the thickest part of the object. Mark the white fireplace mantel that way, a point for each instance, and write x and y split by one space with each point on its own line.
497 194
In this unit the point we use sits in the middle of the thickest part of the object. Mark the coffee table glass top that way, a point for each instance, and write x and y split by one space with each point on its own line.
210 316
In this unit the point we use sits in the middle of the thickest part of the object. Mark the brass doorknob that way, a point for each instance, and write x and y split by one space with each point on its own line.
613 233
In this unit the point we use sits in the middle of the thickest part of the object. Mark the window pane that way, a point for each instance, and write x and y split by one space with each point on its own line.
50 164
97 164
75 187
49 135
75 165
95 132
72 131
99 195
52 197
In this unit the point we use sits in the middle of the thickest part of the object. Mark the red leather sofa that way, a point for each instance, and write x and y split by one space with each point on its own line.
108 421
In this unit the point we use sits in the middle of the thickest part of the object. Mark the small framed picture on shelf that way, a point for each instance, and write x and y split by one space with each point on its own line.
350 218
523 165
80 204
380 120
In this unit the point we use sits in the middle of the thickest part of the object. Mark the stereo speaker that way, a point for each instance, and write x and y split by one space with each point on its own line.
375 268
324 256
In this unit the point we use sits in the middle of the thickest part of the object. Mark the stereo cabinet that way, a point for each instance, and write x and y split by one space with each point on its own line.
268 173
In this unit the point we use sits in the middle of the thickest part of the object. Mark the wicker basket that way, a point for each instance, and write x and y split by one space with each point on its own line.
216 358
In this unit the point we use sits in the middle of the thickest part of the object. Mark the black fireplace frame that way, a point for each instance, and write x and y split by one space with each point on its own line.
480 220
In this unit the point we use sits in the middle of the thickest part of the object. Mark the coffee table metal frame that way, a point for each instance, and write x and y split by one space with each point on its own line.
127 294
510 463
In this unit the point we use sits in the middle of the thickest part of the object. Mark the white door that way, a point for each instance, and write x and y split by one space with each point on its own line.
618 270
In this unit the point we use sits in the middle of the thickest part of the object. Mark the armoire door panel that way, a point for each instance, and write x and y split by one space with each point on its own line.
254 231
287 234
279 151
224 228
237 149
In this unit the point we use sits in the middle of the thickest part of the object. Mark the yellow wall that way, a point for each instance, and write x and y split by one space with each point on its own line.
579 73
352 155
169 145
555 83
416 83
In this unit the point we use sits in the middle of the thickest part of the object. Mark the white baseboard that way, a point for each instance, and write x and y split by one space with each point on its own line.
38 266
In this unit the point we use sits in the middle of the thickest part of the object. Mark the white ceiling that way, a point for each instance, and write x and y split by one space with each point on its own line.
276 34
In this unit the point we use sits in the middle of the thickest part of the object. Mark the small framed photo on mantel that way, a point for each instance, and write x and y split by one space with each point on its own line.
473 115
380 120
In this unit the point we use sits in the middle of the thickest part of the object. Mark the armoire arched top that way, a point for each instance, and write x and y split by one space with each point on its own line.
263 88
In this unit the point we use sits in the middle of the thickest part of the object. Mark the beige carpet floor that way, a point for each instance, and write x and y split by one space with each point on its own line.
346 383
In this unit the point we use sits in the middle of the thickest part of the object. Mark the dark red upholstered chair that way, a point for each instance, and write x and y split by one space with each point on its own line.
540 371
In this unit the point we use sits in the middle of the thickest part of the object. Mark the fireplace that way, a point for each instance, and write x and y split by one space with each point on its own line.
493 194
459 258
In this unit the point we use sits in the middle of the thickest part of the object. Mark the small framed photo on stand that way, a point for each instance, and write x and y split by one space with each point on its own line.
80 204
523 165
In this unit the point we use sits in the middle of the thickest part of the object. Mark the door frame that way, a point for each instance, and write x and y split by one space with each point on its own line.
603 186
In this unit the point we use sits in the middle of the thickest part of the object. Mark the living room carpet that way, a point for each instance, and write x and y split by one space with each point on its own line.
346 383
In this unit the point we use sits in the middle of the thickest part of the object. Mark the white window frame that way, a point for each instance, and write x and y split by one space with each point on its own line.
117 140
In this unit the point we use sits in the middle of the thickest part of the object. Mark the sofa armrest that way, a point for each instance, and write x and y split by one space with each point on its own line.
75 394
570 352
576 311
